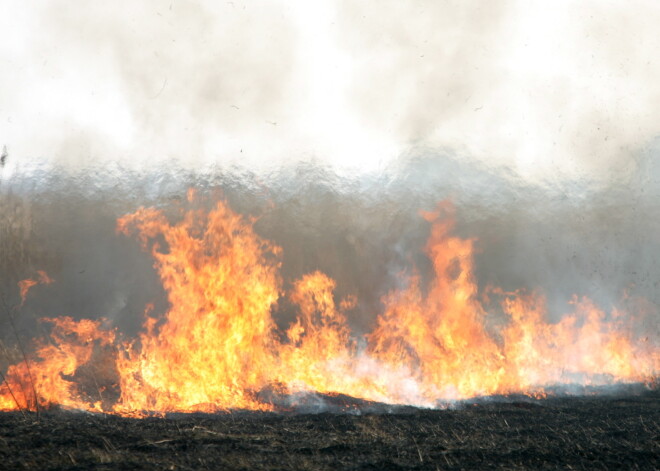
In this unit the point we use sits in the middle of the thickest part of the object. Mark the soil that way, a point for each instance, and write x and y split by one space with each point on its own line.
498 433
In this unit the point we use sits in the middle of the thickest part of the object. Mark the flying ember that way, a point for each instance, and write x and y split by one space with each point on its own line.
218 347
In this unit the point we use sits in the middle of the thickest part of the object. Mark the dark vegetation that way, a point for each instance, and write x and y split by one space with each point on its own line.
604 432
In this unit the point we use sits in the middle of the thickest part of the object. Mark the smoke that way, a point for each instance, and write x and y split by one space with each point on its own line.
553 91
334 123
365 233
557 92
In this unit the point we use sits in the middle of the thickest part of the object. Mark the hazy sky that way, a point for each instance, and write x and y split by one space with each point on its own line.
548 89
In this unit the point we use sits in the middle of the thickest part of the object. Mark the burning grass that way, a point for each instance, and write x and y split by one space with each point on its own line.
597 432
438 343
218 346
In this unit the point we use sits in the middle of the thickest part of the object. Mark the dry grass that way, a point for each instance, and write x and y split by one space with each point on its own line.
16 251
15 236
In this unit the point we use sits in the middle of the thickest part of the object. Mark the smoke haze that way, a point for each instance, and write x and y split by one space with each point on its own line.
364 233
552 92
334 123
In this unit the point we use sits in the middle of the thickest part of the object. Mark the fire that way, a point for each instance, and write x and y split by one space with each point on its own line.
441 337
218 347
50 375
25 285
213 349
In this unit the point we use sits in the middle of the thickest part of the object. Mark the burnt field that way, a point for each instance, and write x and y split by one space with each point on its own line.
621 432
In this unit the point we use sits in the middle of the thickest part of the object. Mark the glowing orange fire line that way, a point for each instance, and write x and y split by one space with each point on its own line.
217 347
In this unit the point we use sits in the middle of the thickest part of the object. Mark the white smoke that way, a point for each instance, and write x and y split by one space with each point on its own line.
538 120
552 91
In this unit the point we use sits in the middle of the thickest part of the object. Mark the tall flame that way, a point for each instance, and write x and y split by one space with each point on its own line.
218 348
441 337
213 349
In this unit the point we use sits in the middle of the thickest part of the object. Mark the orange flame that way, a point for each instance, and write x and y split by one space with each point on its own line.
25 285
441 338
52 370
213 350
218 348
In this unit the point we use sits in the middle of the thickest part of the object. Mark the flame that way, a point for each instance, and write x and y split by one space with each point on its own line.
218 348
25 285
441 337
213 349
50 374
320 354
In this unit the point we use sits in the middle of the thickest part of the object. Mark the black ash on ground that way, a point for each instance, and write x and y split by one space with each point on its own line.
598 432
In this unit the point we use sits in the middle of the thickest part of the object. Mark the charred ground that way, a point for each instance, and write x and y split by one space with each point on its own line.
621 432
